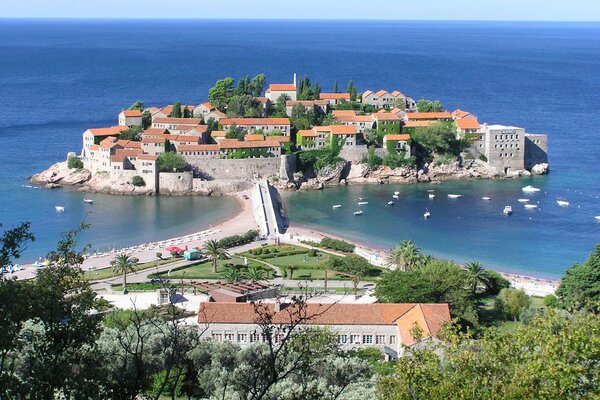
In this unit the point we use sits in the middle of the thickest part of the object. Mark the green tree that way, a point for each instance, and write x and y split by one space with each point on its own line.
477 274
187 113
167 146
316 90
138 105
215 251
405 256
257 84
74 163
335 87
437 138
425 105
256 273
131 133
291 269
352 91
176 112
123 264
244 106
137 180
146 119
220 94
580 286
511 302
171 162
233 274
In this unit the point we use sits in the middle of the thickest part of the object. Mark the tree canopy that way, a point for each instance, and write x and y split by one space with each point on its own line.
425 105
580 286
171 162
244 106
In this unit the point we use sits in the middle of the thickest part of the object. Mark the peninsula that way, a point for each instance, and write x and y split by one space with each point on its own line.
297 137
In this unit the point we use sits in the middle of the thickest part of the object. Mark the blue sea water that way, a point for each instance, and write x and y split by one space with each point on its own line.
58 78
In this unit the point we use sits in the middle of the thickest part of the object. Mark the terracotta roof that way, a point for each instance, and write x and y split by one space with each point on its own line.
429 115
343 129
343 113
109 142
381 93
217 113
199 129
396 110
282 87
307 133
416 124
236 144
177 121
321 128
167 110
121 154
254 138
306 103
113 130
94 147
155 132
366 93
262 100
129 144
363 118
186 138
132 113
335 96
152 139
118 158
207 105
280 139
467 123
148 157
255 121
384 116
429 317
218 133
401 137
396 93
198 147
458 113
153 110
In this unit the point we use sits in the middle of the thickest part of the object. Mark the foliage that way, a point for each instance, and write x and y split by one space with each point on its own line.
550 301
580 286
553 357
137 180
215 251
405 256
396 160
304 90
511 302
221 94
352 90
224 93
74 163
318 159
425 105
131 133
233 274
238 240
146 119
336 244
171 162
244 106
494 282
138 105
373 160
303 118
335 87
176 111
122 264
437 138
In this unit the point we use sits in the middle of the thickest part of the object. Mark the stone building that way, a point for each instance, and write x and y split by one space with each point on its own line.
251 125
388 327
130 118
384 99
276 90
334 98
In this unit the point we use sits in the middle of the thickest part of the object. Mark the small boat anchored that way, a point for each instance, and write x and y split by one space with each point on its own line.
390 203
396 193
59 209
530 189
507 210
562 203
360 203
454 196
396 196
427 214
523 200
597 218
359 212
531 206
431 196
485 198
337 206
89 201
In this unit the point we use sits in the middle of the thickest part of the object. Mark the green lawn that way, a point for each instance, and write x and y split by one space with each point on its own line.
106 273
143 287
489 316
336 290
203 270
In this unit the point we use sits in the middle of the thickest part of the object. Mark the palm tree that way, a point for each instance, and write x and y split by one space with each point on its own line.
123 264
405 256
256 273
233 274
215 251
477 275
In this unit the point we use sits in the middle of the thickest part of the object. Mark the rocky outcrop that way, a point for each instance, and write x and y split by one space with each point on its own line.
101 183
60 174
540 169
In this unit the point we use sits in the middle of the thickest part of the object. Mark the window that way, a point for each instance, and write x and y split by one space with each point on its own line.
380 339
355 339
392 339
342 339
242 338
367 339
217 337
254 337
230 337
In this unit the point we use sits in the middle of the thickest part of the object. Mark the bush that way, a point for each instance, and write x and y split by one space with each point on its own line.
257 251
74 163
373 160
266 251
339 245
171 162
312 253
238 240
550 301
274 251
138 181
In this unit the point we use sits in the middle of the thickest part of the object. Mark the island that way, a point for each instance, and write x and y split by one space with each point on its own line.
295 136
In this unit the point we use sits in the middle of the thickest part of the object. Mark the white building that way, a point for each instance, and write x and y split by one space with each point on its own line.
130 118
275 91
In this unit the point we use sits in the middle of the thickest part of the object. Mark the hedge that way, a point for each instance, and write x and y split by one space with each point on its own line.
339 245
238 240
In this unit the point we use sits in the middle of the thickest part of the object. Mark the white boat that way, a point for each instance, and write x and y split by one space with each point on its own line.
431 195
396 196
597 218
358 212
390 203
431 190
360 203
562 203
89 201
531 206
485 198
454 196
523 200
530 189
427 214
337 206
396 193
60 208
507 210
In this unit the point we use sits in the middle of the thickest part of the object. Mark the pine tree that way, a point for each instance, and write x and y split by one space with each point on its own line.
352 90
316 90
335 87
176 113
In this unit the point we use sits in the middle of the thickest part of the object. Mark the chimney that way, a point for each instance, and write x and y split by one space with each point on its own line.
295 80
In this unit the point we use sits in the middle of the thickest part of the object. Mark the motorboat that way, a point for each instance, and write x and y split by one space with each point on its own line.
390 203
454 196
60 209
531 206
360 203
485 198
337 206
562 203
396 193
507 210
523 200
597 218
431 196
396 196
359 212
427 214
89 201
530 189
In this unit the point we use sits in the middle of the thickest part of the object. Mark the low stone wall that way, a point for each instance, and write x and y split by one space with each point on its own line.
220 186
248 168
358 153
175 182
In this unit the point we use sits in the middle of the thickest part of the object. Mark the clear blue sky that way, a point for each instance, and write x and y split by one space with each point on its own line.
512 10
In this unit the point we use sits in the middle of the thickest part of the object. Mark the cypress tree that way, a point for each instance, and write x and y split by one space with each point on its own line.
335 86
176 113
316 90
167 145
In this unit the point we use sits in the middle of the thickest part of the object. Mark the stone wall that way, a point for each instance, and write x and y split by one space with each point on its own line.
287 167
248 168
221 186
175 182
536 149
354 154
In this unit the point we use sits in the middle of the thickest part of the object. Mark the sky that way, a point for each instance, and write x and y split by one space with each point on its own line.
497 10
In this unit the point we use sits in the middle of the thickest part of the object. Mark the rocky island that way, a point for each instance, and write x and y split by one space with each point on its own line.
296 136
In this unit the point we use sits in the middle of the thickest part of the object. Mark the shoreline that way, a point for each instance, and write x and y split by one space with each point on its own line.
532 285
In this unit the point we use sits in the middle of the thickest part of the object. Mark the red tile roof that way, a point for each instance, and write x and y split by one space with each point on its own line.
177 121
236 144
280 139
218 133
281 87
343 113
113 130
343 129
109 142
207 105
152 139
254 121
384 116
155 132
217 113
129 144
416 124
467 123
429 115
262 100
306 103
334 96
148 157
186 138
397 93
367 92
132 113
254 138
381 93
401 137
198 147
307 133
458 113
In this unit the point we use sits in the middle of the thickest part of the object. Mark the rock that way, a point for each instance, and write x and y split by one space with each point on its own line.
52 185
540 169
357 171
525 173
61 175
312 184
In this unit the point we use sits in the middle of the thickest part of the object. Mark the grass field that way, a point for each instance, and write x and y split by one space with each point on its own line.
203 270
489 316
106 273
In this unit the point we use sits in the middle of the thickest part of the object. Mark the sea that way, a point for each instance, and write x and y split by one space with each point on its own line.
59 77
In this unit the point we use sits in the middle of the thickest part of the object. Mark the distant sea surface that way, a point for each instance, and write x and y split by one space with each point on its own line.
58 78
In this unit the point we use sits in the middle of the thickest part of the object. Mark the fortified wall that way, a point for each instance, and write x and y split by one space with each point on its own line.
246 168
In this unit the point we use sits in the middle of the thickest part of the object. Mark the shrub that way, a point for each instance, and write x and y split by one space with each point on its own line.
258 251
237 240
550 300
74 163
266 251
171 162
312 253
138 181
274 250
339 245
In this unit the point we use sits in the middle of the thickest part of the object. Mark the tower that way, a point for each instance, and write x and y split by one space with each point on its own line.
295 80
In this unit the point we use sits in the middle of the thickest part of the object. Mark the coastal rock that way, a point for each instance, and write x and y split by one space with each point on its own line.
312 184
60 174
540 169
101 183
332 174
357 171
